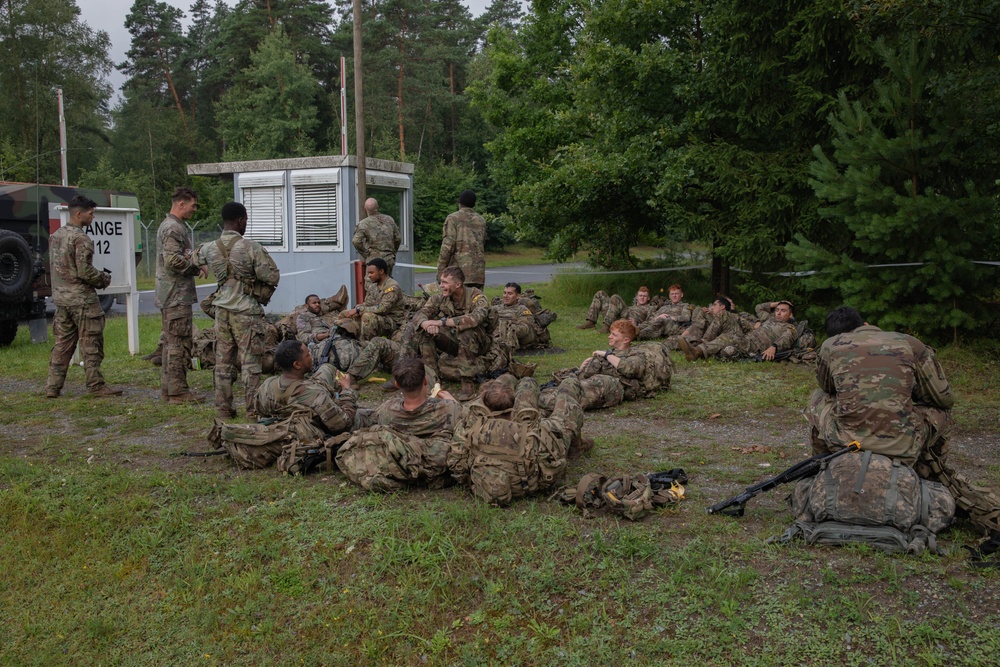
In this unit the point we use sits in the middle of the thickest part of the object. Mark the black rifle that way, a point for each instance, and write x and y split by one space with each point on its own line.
735 505
421 286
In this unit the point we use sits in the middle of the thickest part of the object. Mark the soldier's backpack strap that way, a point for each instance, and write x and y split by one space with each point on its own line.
588 491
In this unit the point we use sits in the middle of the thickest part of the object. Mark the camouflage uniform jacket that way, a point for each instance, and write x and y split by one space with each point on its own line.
725 324
463 244
377 236
74 278
472 312
436 418
252 269
518 316
331 412
876 377
638 313
175 269
216 258
631 371
681 313
386 300
308 324
771 332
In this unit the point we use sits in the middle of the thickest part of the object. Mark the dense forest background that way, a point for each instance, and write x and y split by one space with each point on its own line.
827 140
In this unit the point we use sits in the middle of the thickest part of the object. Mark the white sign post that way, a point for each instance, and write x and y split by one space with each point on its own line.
114 249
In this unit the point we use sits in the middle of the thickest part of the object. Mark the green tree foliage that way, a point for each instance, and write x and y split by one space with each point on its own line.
271 113
903 187
45 46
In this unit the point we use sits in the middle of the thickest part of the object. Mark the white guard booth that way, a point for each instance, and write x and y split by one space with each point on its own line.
114 249
304 211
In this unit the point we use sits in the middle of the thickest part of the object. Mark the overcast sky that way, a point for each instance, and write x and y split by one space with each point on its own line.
109 16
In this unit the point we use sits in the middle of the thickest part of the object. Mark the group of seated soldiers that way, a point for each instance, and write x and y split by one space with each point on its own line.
512 436
770 334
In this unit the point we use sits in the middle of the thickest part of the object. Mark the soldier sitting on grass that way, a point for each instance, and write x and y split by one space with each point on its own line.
614 308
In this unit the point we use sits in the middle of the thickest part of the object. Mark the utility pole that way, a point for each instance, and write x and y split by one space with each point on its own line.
359 108
62 139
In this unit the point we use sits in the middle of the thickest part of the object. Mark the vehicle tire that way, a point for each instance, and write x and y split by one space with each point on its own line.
16 266
107 301
8 332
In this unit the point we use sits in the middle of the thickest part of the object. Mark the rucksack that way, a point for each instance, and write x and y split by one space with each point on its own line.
873 499
660 367
258 445
380 458
504 459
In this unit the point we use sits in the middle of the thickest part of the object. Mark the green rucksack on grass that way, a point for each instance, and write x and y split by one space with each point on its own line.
863 497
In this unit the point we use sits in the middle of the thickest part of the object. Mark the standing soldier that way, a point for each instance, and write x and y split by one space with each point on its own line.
175 293
79 316
240 326
377 236
463 242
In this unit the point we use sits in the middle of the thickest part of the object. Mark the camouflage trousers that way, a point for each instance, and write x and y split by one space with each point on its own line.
597 391
370 325
610 307
178 328
466 346
725 347
564 425
382 353
935 427
661 328
83 324
515 337
239 339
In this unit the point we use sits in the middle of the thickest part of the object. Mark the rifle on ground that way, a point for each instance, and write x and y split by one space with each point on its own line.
778 356
735 505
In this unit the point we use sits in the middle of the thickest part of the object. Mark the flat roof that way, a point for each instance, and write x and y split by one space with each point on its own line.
315 162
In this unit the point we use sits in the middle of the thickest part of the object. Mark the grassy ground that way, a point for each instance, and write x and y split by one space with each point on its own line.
118 552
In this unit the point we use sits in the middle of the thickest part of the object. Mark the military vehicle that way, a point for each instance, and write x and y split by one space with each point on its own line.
28 214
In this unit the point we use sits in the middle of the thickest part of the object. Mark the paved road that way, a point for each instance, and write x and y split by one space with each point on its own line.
533 273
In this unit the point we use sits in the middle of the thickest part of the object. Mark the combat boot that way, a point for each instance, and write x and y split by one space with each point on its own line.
690 353
341 297
587 325
157 360
104 391
519 370
389 386
354 382
185 398
468 391
605 329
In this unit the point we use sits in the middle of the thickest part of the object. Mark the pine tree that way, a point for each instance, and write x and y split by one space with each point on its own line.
898 190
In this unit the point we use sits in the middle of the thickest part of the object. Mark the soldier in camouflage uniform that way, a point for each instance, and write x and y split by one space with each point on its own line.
613 308
621 372
331 304
79 316
240 325
330 402
673 319
724 331
410 438
455 322
463 242
505 449
771 336
516 326
381 314
887 391
310 327
377 236
175 294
